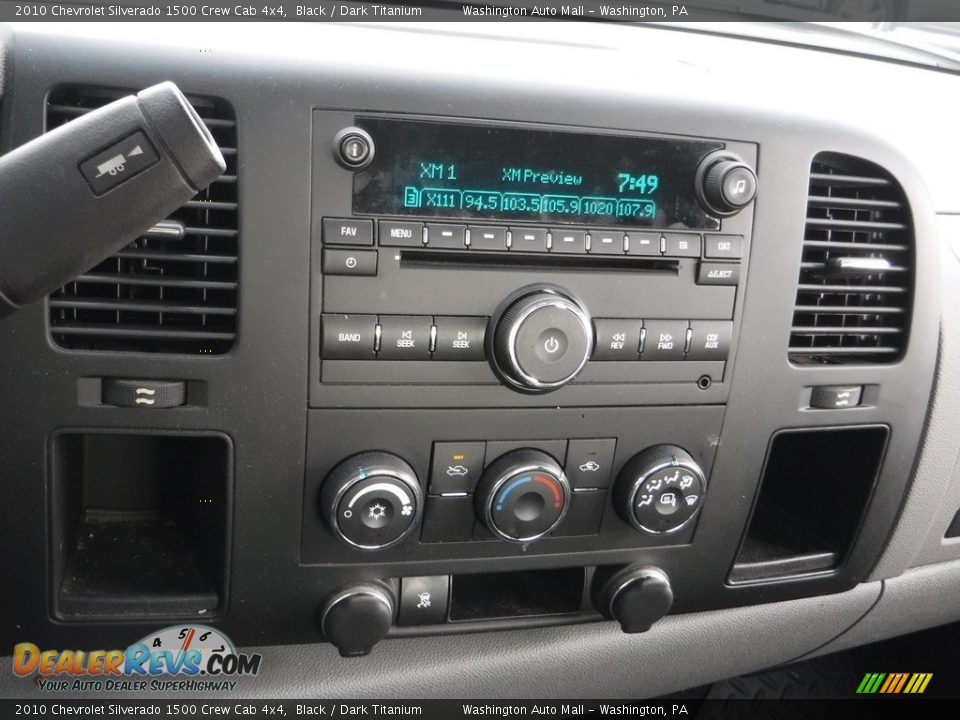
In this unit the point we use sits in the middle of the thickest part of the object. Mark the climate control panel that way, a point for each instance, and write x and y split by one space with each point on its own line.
639 478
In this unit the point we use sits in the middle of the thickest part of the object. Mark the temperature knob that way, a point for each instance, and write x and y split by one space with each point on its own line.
523 495
372 500
542 339
659 490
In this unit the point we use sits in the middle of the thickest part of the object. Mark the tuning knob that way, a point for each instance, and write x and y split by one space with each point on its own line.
542 339
357 618
725 183
522 496
636 597
659 490
372 500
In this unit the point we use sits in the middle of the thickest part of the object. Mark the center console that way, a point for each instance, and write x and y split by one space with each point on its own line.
569 296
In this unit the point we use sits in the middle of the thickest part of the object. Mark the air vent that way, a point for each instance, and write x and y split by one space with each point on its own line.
854 294
174 290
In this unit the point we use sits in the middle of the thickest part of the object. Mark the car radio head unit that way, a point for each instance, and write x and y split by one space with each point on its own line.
494 173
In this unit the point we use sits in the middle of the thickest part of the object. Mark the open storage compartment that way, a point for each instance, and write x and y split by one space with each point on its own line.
815 488
528 593
140 524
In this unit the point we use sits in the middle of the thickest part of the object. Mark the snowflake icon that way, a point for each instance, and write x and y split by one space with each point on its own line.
378 511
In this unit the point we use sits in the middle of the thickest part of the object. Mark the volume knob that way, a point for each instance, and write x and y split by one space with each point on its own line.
542 339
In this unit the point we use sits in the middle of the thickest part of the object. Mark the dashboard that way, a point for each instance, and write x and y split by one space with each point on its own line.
543 361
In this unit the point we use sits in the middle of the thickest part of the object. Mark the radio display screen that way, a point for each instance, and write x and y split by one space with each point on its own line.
494 173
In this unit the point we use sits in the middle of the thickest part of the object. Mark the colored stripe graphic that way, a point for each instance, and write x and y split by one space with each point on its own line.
894 683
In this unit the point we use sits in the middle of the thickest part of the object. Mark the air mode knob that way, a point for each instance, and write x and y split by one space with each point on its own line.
523 495
542 339
659 490
372 500
725 183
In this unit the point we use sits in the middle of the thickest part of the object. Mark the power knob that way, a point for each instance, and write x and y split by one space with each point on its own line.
542 339
725 183
372 500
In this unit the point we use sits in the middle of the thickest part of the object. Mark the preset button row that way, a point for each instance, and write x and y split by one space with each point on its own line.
454 236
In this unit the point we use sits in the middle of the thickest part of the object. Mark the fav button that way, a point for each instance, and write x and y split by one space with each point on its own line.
405 337
456 467
460 338
344 231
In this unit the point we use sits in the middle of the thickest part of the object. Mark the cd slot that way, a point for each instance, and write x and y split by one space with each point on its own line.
426 258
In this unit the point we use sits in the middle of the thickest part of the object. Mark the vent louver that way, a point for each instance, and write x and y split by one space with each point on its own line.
173 290
854 293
